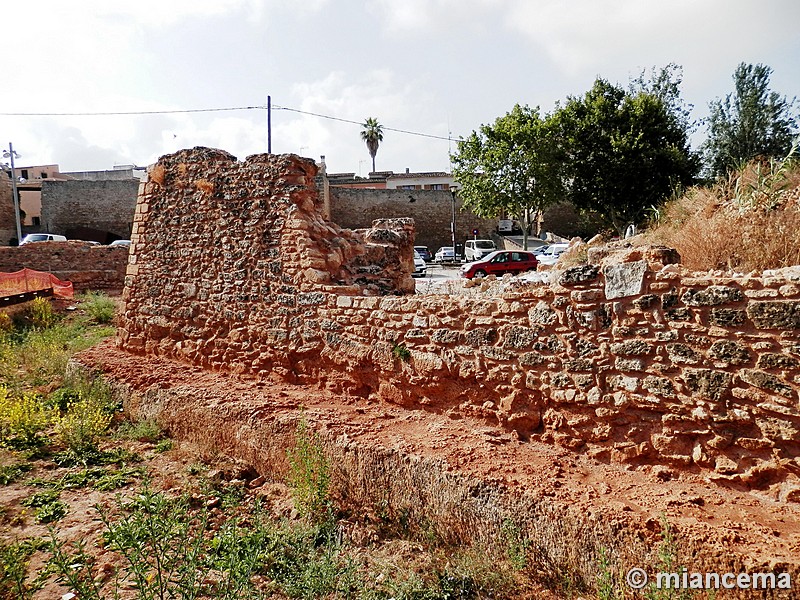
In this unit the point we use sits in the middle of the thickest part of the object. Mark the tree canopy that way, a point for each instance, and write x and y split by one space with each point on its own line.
751 122
612 151
625 151
372 134
510 166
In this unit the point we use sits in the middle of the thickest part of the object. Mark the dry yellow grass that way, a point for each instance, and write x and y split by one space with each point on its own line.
748 223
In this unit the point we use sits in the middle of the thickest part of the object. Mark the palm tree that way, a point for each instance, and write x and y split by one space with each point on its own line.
372 134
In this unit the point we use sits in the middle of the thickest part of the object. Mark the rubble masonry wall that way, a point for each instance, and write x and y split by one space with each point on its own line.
233 268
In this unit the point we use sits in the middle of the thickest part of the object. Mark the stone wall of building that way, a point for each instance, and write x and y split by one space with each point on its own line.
8 224
629 359
87 266
104 206
432 211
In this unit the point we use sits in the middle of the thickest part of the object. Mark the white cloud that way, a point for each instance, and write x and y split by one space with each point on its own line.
448 17
378 93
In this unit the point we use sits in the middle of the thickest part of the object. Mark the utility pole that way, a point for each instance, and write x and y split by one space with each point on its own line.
11 154
269 124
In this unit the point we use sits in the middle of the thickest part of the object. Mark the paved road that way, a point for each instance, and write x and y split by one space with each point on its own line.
436 272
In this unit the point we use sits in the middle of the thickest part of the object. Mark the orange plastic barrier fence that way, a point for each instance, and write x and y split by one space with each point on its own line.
28 280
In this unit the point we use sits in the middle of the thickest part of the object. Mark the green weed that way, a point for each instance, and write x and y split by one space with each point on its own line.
48 505
309 475
99 307
143 431
164 445
11 473
14 558
400 352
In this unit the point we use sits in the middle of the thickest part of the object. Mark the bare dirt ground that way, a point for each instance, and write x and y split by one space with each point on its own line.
714 520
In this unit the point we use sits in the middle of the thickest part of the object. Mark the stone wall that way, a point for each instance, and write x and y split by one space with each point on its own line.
629 359
87 266
432 211
8 224
228 258
104 206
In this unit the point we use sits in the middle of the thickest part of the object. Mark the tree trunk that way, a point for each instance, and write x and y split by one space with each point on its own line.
526 218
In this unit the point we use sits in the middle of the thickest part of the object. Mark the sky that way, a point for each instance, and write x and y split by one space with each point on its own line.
441 68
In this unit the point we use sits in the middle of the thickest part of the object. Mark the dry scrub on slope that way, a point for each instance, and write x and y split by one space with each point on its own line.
749 222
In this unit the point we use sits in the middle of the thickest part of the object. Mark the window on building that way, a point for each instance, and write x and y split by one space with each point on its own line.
439 186
24 173
37 221
44 175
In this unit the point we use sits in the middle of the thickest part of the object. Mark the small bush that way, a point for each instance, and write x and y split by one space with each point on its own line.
82 425
40 314
99 307
22 419
164 445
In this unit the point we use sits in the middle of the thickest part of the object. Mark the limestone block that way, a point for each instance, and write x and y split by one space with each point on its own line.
624 279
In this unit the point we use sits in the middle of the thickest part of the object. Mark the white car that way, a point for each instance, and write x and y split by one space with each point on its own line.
551 255
477 249
444 254
420 268
42 237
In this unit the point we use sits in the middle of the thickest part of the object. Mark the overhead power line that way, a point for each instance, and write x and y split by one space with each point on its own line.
128 113
208 110
304 112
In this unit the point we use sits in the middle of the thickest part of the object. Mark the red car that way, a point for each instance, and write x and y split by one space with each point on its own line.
500 263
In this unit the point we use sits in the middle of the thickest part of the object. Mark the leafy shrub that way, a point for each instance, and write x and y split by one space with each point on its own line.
99 307
400 352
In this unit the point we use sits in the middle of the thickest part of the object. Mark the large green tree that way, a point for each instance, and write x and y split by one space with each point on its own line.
510 166
751 122
372 134
625 151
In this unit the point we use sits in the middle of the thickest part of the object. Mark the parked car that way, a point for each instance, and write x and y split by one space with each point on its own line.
444 254
501 262
120 243
42 237
424 253
420 268
477 249
550 256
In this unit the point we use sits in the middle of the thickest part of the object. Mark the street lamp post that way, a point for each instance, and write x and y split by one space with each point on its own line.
453 189
11 154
